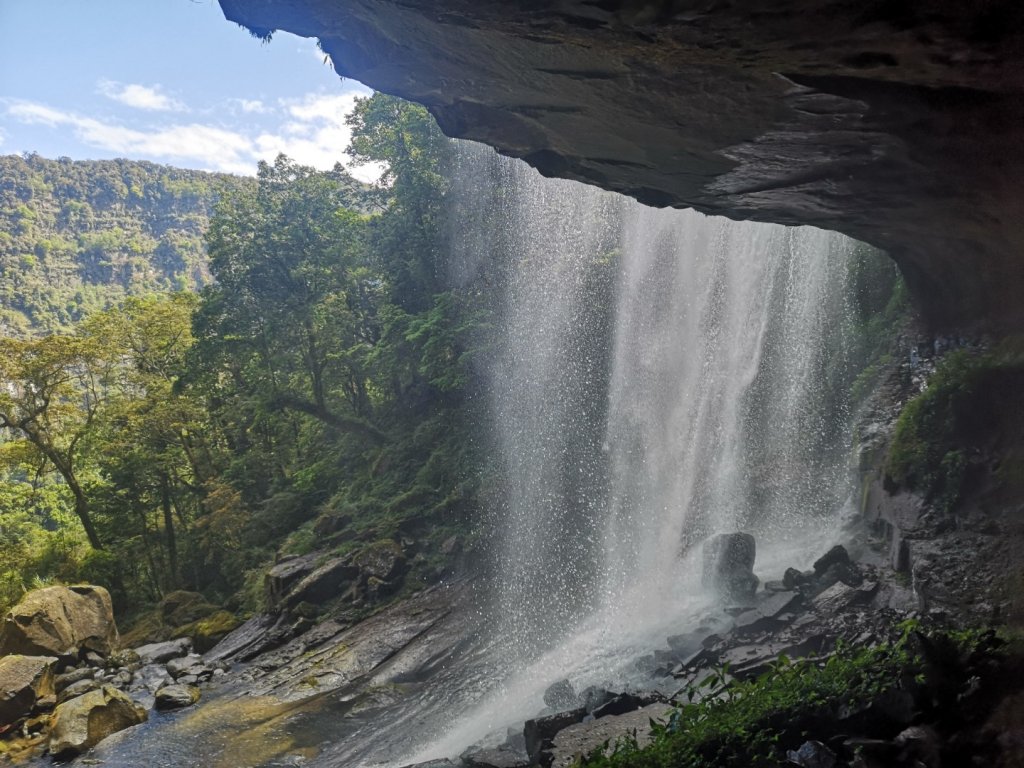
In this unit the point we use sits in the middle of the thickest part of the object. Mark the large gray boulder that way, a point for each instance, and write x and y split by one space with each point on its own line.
25 682
83 722
60 621
729 566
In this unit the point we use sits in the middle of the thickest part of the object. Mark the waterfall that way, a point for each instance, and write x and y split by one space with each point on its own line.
659 376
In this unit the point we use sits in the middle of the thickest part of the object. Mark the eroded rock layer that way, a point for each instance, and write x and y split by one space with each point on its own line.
899 123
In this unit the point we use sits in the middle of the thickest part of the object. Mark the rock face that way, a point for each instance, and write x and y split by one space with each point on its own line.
729 566
24 682
83 722
60 621
897 123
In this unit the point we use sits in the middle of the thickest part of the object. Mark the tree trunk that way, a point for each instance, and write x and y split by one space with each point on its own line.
172 544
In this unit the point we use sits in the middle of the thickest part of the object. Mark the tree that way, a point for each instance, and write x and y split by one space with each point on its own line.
51 390
293 308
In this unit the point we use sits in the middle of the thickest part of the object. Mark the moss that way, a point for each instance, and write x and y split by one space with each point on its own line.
970 404
206 633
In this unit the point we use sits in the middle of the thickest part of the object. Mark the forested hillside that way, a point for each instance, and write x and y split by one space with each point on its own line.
311 396
77 236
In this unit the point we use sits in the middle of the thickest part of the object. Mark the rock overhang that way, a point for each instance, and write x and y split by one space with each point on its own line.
900 124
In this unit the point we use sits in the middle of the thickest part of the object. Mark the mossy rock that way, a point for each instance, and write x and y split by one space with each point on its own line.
147 628
183 607
207 632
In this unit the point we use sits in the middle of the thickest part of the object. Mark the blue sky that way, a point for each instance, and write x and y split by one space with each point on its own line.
165 80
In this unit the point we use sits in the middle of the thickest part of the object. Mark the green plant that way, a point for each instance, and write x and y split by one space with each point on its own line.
724 721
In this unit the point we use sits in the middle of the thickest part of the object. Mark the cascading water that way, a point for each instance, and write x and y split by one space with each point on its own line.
661 376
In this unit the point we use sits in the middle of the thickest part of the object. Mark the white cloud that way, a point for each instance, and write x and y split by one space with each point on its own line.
310 130
3 137
208 146
252 106
316 134
140 96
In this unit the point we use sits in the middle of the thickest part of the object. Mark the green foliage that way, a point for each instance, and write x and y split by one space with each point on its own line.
77 237
969 397
173 441
724 721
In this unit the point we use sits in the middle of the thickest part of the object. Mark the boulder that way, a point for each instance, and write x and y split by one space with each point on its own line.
324 582
207 632
60 621
161 653
383 559
583 738
793 578
496 757
729 566
187 665
25 682
541 730
561 696
279 580
78 688
83 722
176 697
184 607
837 554
60 682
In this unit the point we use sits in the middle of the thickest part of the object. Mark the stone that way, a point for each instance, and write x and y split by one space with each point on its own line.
839 597
575 740
561 696
324 582
628 702
497 757
60 682
161 653
593 697
176 697
433 764
812 754
79 688
83 722
178 667
383 559
24 682
728 562
846 573
287 572
837 554
151 678
765 615
183 607
793 578
539 732
62 622
207 632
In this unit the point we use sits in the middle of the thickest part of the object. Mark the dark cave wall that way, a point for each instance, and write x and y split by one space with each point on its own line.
898 123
